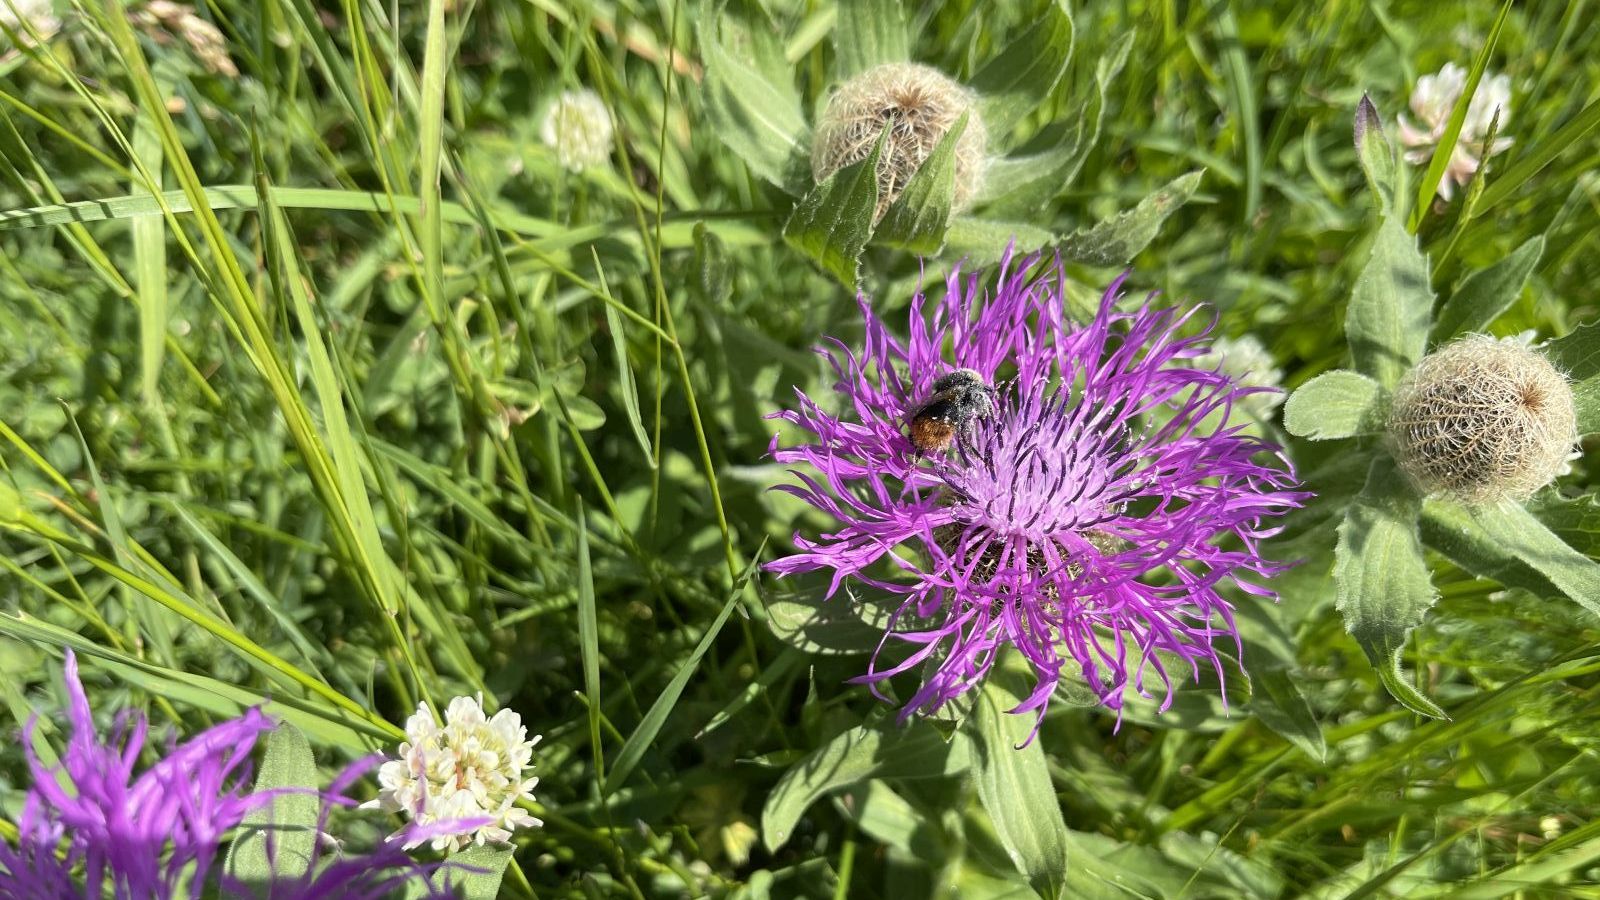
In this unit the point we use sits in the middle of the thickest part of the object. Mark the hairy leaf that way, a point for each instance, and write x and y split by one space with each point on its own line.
1337 404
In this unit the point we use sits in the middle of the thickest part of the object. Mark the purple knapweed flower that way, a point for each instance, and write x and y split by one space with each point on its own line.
1088 520
91 827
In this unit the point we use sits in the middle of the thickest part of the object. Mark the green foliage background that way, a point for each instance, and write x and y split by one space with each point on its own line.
376 404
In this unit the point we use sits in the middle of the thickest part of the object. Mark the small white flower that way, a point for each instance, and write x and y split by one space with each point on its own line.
1431 102
39 14
1247 362
470 768
578 128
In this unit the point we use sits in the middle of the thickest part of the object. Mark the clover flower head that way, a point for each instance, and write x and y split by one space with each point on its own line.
916 105
470 767
20 15
1431 102
1089 521
91 827
1483 420
1248 363
578 128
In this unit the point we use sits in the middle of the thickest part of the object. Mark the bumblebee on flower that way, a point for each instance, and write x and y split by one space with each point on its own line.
1086 518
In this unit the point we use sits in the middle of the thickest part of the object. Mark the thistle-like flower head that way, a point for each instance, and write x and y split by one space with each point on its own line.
916 106
1431 102
1482 420
1088 521
472 766
578 128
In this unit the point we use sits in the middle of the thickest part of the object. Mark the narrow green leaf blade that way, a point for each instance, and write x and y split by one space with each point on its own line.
278 842
1390 307
633 749
1384 589
1336 404
869 33
1117 240
1446 148
1485 294
1014 787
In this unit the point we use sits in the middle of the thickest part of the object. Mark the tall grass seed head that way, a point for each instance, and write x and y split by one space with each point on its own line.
578 128
1483 420
917 105
473 766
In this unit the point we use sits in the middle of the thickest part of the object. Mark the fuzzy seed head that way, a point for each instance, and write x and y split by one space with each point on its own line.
1483 420
917 105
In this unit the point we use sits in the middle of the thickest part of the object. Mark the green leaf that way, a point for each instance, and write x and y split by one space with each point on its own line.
919 216
589 640
1446 147
1025 181
475 873
278 842
1576 521
801 617
1018 79
626 385
1280 705
1485 294
1449 528
1119 239
1336 404
1383 583
869 33
329 726
980 241
750 108
1528 539
833 222
633 749
1387 322
1578 355
1014 785
1376 153
876 750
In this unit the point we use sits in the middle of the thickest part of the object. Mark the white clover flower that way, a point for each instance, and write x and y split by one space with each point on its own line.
39 14
470 768
1431 102
578 128
1247 362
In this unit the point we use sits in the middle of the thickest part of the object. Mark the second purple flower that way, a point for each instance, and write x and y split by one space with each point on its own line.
1091 496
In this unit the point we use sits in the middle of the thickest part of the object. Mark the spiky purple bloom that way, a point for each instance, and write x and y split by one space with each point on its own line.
156 835
1088 522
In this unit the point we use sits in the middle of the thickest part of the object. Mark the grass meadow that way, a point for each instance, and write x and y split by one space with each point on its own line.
330 386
